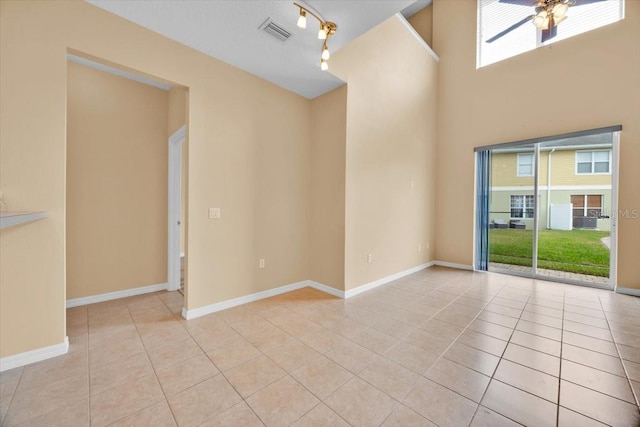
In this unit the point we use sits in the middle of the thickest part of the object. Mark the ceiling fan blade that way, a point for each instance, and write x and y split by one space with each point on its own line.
518 2
550 33
511 28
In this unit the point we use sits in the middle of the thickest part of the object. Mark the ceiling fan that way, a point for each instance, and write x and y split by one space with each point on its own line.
548 14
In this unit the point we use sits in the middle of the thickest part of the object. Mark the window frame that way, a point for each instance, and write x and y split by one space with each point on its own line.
586 208
524 207
518 173
593 162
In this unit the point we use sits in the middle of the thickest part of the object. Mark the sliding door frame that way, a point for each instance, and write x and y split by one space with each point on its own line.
483 186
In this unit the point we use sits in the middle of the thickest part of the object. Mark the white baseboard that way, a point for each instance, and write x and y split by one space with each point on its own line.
628 291
367 287
33 356
223 305
453 265
75 302
326 289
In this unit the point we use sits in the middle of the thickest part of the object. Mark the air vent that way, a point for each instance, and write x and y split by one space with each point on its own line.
276 30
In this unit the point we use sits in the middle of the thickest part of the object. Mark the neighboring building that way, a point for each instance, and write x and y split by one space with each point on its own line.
579 176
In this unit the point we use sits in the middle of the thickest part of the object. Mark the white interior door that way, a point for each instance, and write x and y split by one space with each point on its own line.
175 172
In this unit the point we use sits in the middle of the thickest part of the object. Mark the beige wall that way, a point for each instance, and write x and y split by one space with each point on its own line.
597 75
116 227
390 164
423 23
249 160
328 150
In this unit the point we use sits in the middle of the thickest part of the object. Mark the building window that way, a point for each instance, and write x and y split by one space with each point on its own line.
522 207
505 28
587 205
593 162
525 164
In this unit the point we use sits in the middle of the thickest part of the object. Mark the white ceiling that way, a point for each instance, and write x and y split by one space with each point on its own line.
228 30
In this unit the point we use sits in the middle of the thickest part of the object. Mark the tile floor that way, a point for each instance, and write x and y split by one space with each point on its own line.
441 347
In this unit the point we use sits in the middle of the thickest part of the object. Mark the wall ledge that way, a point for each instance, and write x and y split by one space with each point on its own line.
628 291
413 31
75 302
33 356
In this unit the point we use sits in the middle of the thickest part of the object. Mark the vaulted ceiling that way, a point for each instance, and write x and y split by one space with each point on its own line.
229 30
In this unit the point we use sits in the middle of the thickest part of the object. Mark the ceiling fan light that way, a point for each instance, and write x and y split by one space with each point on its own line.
302 19
541 21
559 10
324 65
559 19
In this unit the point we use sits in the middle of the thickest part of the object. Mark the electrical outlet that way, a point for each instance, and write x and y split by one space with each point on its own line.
214 213
261 263
369 258
419 247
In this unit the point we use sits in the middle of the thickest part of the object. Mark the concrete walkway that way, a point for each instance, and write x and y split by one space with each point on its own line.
584 278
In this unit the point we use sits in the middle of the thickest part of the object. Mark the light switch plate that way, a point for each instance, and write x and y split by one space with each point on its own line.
214 213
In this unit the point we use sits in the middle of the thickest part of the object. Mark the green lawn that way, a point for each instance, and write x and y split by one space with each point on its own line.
576 251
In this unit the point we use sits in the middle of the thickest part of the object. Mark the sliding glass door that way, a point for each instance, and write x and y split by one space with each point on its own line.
545 207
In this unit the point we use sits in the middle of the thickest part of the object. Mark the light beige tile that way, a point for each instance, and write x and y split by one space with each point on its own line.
595 379
593 344
182 375
233 354
485 417
411 357
254 375
292 355
534 359
539 330
601 407
320 416
361 404
483 342
157 415
393 327
238 415
403 417
55 369
629 353
124 400
464 381
633 369
111 333
536 342
322 376
212 334
472 358
266 341
529 380
46 398
172 353
568 418
587 320
374 340
203 401
491 329
593 359
114 352
165 333
588 330
8 384
390 377
115 373
345 327
440 405
281 403
76 415
498 319
519 406
322 340
351 356
428 342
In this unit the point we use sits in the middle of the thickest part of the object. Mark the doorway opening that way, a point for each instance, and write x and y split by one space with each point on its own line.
546 207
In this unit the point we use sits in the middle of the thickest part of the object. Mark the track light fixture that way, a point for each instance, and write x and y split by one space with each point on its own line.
327 29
